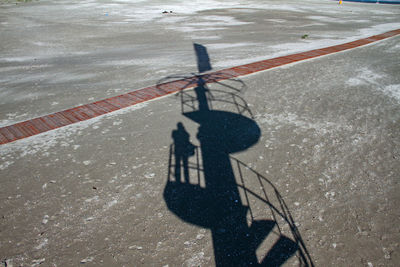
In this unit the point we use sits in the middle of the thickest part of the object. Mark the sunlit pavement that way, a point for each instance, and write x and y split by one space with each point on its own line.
94 192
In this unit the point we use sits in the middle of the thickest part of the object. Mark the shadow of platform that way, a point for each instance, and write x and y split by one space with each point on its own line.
248 219
271 232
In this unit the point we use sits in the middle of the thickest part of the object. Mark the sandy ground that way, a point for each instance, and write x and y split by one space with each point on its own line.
94 193
57 54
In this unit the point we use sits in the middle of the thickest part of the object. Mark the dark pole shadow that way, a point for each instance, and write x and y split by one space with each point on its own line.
203 61
212 200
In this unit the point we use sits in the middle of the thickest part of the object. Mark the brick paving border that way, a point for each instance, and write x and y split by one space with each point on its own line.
66 117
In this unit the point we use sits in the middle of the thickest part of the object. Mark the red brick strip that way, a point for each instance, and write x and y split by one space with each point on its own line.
85 112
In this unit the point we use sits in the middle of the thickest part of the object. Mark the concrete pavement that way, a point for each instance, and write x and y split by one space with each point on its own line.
93 193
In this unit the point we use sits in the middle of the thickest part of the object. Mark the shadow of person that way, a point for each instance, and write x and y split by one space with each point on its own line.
217 204
183 149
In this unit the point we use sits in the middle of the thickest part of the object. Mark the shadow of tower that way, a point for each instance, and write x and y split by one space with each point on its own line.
217 203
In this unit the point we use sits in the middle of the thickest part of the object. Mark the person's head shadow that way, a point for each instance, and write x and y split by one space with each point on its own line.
208 194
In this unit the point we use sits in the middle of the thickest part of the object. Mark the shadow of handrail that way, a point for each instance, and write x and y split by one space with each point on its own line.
269 196
281 211
226 196
189 98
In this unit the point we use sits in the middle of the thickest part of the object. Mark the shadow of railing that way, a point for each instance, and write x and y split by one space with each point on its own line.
267 211
228 95
225 195
269 195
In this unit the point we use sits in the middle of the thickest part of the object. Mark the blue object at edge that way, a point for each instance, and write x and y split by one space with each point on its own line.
375 1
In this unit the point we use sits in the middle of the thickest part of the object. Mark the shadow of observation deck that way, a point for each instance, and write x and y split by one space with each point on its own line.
248 219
